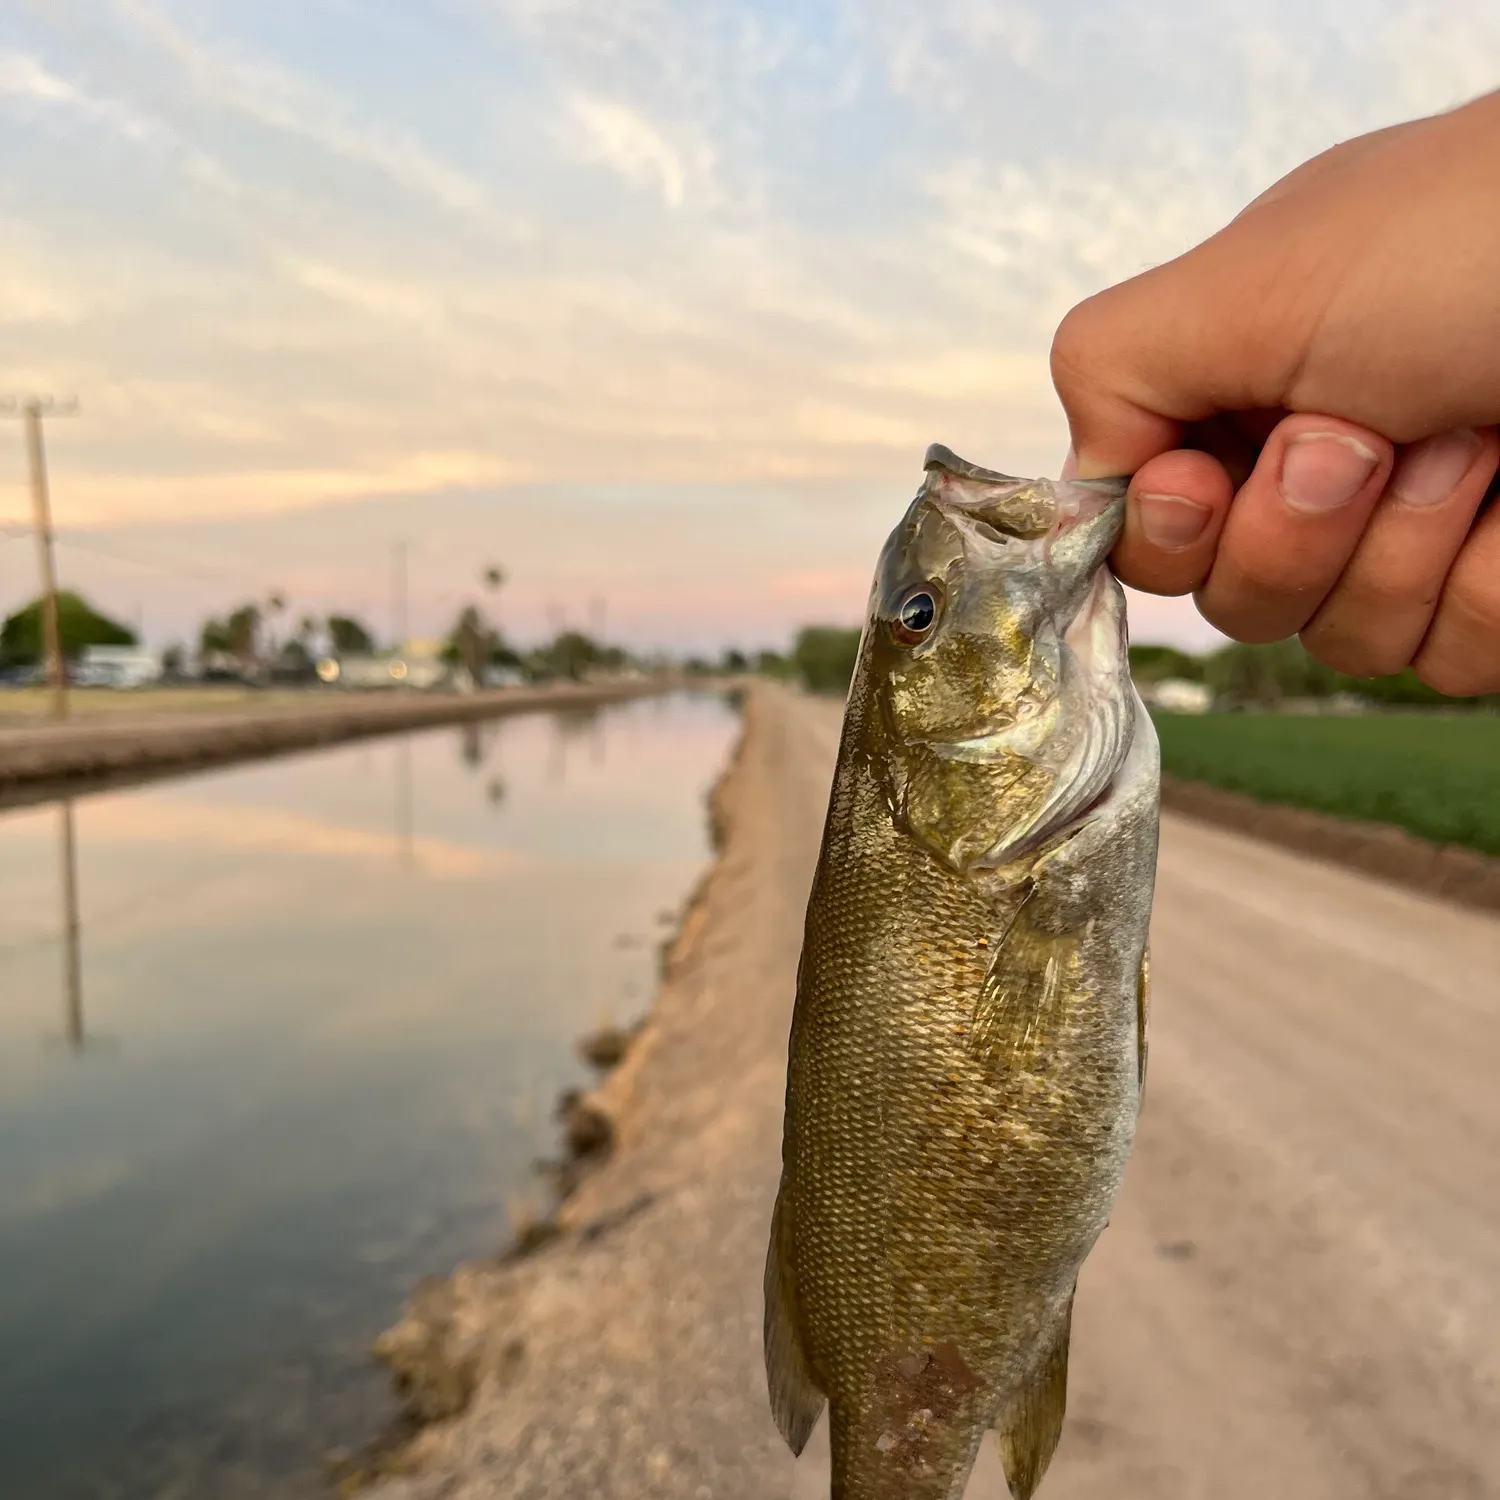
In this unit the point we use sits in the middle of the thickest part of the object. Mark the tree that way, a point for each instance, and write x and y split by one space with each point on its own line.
472 641
825 656
213 638
735 660
293 663
243 633
1155 663
79 625
275 606
573 655
1269 673
774 664
349 637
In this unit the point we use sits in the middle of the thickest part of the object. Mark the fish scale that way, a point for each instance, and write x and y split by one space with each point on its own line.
967 1048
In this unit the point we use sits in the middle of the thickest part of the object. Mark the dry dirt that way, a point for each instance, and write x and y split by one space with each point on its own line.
1298 1296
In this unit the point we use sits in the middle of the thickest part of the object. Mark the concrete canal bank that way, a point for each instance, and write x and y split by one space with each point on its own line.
1295 1295
44 761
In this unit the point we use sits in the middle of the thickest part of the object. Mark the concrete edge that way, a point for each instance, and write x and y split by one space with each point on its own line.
39 765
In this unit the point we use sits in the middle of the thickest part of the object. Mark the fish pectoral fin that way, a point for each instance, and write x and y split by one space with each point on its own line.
1029 1431
796 1402
1024 993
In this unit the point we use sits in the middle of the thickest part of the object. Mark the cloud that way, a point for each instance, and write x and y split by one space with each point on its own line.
623 139
279 100
669 248
277 831
917 46
24 77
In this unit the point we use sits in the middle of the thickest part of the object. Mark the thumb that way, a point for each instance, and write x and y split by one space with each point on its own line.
1175 345
1098 372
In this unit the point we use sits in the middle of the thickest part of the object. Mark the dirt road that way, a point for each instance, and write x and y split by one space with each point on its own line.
1298 1296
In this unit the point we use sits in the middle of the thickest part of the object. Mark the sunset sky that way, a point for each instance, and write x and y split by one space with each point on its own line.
656 301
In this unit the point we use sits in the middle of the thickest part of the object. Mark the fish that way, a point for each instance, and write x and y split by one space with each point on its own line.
969 1038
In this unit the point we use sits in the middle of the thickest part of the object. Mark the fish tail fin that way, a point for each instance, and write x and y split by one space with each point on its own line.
796 1401
1029 1431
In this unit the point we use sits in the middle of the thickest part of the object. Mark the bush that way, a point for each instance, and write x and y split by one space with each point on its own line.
825 656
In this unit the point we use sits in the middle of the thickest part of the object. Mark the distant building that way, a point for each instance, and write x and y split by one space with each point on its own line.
420 666
118 667
1176 695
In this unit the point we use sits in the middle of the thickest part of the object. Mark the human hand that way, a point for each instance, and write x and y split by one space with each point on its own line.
1330 363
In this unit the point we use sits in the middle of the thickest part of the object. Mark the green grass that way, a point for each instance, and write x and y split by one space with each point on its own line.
1437 775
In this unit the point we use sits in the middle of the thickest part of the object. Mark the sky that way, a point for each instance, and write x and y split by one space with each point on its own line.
654 303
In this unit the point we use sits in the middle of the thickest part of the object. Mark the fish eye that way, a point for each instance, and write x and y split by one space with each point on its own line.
916 615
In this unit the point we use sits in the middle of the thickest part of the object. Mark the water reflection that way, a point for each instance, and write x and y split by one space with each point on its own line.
471 745
335 1072
406 857
73 1027
584 722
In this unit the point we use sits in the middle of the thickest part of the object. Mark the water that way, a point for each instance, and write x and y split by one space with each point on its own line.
326 1005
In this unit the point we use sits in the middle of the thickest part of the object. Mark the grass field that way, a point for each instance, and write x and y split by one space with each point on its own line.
1437 775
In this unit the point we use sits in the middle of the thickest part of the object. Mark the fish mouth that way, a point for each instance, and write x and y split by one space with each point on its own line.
940 457
1080 516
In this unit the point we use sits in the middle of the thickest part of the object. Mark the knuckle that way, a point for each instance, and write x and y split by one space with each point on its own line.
1462 655
1290 583
1354 655
1473 608
1072 346
1454 677
1379 593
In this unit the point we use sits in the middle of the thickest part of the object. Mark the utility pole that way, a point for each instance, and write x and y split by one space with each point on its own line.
31 409
398 596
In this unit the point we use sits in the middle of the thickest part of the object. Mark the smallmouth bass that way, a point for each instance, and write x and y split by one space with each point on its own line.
968 1048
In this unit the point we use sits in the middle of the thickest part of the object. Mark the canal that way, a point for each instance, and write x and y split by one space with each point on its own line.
320 1012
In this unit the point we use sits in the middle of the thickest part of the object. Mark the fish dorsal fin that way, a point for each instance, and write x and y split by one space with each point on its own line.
1029 1431
796 1402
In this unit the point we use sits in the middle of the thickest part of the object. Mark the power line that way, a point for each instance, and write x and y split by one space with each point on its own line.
176 567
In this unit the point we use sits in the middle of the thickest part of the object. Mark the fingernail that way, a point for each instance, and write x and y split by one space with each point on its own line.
1428 472
1070 466
1321 471
1171 522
